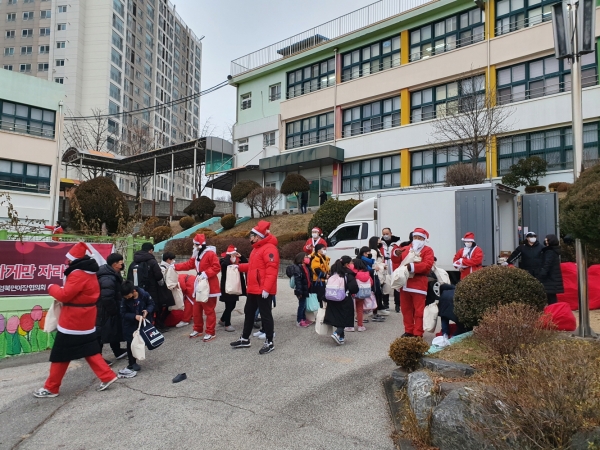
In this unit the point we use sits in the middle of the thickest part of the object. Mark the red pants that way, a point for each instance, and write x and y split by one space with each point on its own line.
412 306
58 370
358 307
188 311
208 309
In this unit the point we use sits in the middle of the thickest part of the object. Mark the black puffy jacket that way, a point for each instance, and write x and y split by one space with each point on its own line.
302 286
550 275
155 276
108 318
134 307
531 257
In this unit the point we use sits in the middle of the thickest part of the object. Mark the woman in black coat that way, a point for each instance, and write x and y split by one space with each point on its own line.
550 275
230 257
341 314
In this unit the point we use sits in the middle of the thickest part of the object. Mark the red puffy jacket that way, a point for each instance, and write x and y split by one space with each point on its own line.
473 263
418 283
262 267
207 263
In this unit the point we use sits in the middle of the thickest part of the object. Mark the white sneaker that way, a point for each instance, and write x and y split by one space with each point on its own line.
383 312
264 335
127 373
44 393
181 324
208 337
195 334
257 333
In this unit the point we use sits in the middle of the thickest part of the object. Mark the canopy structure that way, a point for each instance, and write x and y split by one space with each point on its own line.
226 180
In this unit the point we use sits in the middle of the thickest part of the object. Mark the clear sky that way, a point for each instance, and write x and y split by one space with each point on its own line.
235 28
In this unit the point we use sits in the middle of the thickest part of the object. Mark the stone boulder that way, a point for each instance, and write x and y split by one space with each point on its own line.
400 377
446 368
419 389
585 440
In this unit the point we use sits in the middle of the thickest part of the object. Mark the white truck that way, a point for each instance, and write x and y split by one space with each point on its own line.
447 213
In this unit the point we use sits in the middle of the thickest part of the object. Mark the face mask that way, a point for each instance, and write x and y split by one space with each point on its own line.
418 245
351 266
532 240
232 259
323 252
468 244
315 235
306 260
386 237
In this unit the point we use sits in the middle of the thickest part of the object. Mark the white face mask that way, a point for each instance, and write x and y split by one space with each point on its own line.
532 240
418 245
386 237
232 259
315 235
323 252
468 244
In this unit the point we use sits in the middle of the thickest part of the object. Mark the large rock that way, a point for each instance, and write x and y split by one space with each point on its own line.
585 440
400 377
446 368
419 389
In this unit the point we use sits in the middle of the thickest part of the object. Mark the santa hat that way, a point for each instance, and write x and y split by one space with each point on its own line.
421 232
78 251
469 237
318 230
262 228
199 239
231 250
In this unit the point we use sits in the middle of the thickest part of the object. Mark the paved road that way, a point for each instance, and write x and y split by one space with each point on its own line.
309 393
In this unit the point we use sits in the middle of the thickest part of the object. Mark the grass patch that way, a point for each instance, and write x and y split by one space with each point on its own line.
468 351
292 223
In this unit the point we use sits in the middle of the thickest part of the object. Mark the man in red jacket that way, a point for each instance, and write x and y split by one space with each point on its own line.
415 292
470 258
205 261
315 239
76 334
262 269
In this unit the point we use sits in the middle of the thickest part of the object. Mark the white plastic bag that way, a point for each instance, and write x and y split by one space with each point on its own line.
386 287
322 328
202 290
441 275
441 341
52 316
233 283
430 316
399 277
172 281
138 346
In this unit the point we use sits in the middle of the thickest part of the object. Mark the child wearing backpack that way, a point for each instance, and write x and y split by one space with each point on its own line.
339 312
299 271
365 285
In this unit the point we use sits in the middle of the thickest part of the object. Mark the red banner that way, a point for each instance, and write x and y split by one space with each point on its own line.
27 268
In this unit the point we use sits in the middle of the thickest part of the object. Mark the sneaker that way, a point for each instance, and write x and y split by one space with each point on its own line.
267 347
208 337
377 319
397 308
181 324
362 329
338 339
408 335
104 386
229 328
44 393
304 324
126 373
221 323
308 322
264 335
135 367
383 312
257 333
109 363
122 355
240 343
195 334
349 329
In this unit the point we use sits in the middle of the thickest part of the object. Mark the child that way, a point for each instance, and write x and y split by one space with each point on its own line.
135 306
231 256
299 270
362 277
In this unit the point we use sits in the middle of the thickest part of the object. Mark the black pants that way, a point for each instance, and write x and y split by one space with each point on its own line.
115 347
552 299
254 301
160 315
386 299
229 307
129 354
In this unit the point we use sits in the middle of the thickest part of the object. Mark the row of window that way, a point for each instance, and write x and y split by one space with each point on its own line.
28 32
312 130
14 2
28 50
371 174
311 78
30 15
373 116
26 119
20 176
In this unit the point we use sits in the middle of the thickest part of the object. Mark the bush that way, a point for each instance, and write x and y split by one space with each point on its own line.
567 253
492 286
580 209
183 246
98 201
564 187
300 235
161 234
200 206
507 329
331 214
534 189
294 183
186 222
463 174
207 232
228 221
407 351
149 225
554 185
222 242
286 238
526 172
542 397
291 249
240 191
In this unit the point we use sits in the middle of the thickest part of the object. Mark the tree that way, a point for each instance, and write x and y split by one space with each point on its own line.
462 174
21 226
265 200
200 206
240 191
293 184
468 122
526 172
331 214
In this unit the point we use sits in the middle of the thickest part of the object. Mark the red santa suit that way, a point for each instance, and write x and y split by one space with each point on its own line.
312 242
468 260
76 332
55 230
207 266
415 291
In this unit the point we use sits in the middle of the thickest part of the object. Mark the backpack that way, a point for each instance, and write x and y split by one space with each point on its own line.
335 289
289 271
364 289
139 274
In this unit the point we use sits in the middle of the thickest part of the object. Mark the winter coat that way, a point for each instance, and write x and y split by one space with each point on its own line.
419 282
301 279
550 275
319 266
446 302
341 314
397 255
470 263
79 297
170 288
364 277
108 319
134 307
387 248
531 257
226 262
187 287
155 276
206 263
263 267
311 243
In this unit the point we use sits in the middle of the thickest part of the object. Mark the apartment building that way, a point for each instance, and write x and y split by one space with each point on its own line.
30 123
112 57
351 104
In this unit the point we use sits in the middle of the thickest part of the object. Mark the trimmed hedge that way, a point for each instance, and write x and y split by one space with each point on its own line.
186 222
291 249
331 214
228 221
161 234
99 201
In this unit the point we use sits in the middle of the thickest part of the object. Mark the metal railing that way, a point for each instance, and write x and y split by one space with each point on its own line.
358 71
438 49
26 129
349 23
352 130
40 188
310 86
310 141
509 24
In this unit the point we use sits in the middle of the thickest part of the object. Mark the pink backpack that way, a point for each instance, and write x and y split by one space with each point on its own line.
335 290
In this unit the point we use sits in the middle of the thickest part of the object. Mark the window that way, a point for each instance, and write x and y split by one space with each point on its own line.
115 92
60 44
113 108
117 41
20 176
242 145
149 25
349 233
45 31
7 67
62 9
61 26
26 119
371 59
60 63
370 174
43 67
374 116
148 54
44 49
13 2
10 34
456 96
27 33
118 23
46 14
512 15
28 15
119 8
269 139
147 85
146 99
59 80
311 130
456 31
25 68
115 75
26 50
311 78
246 100
11 17
150 11
430 166
555 146
9 51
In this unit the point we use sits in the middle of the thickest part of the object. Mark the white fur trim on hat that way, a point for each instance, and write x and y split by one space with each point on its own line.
416 233
258 233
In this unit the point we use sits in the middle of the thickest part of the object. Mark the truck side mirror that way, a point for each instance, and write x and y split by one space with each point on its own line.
356 251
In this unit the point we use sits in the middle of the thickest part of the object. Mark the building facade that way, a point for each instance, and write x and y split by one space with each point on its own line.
351 104
113 56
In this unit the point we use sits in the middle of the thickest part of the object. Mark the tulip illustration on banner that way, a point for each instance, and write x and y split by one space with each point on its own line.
24 334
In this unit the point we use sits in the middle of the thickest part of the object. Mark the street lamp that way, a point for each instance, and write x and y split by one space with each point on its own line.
574 35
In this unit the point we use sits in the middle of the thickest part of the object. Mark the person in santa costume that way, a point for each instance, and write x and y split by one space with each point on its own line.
415 292
315 239
57 229
468 259
230 257
186 282
262 270
76 336
204 259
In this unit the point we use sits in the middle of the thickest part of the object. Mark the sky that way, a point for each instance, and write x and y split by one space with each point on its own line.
238 27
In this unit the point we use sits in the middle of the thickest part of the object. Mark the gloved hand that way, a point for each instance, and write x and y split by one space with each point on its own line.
265 294
203 276
504 263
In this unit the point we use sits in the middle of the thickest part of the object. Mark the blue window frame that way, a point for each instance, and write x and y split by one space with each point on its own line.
311 78
512 15
22 176
26 119
373 58
309 131
430 166
371 174
373 116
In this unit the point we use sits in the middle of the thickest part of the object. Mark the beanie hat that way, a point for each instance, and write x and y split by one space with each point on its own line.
469 237
199 239
78 251
262 228
421 232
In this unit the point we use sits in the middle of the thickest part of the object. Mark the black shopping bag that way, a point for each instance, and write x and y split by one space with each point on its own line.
152 337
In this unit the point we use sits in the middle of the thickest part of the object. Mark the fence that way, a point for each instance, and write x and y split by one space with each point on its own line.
163 208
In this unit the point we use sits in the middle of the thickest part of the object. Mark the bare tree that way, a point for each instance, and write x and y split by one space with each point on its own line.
265 200
21 226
